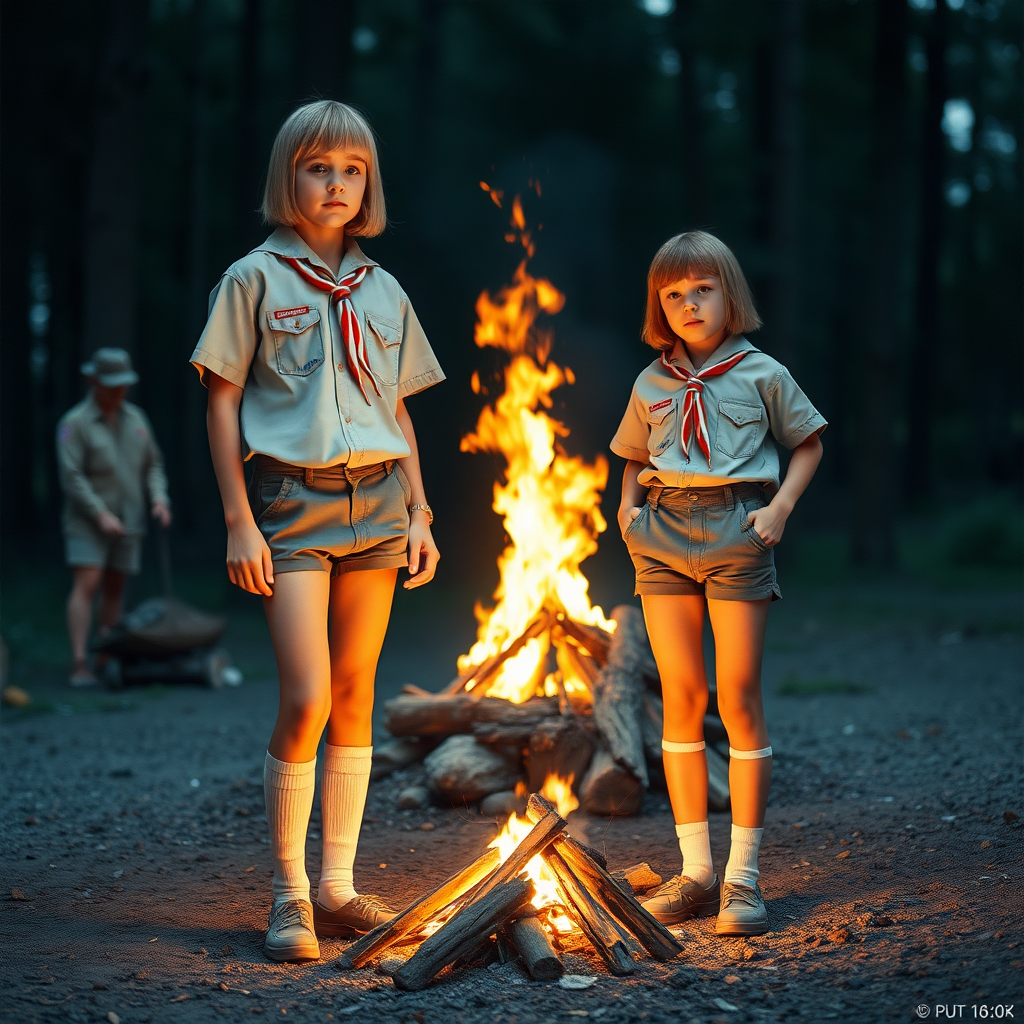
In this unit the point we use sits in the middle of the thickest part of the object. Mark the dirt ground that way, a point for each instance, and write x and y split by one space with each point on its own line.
135 874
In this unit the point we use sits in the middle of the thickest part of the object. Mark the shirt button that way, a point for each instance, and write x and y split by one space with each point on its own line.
341 366
348 419
694 497
297 324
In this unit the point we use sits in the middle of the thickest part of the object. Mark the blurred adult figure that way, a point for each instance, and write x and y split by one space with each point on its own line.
109 465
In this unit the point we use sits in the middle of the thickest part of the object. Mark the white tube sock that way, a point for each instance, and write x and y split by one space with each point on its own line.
742 866
695 846
288 791
342 799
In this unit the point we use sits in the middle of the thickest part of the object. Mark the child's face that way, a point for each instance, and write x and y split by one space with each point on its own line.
695 308
329 187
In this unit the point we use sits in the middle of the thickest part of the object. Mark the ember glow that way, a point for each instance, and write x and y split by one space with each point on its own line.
559 792
549 501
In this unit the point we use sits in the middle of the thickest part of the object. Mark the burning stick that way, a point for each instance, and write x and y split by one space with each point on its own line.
530 941
652 935
412 920
463 932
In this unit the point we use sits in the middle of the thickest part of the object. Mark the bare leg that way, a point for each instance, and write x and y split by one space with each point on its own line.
739 645
85 580
674 624
111 598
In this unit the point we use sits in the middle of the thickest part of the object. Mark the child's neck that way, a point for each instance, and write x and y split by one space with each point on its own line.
701 351
327 243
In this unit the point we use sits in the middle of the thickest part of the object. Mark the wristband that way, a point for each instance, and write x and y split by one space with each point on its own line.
424 508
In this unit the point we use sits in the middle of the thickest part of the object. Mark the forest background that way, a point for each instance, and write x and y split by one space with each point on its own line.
862 157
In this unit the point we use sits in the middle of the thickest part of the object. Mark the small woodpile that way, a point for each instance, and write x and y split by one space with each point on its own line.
602 728
486 911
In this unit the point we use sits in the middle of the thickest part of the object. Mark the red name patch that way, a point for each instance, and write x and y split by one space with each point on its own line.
281 314
659 405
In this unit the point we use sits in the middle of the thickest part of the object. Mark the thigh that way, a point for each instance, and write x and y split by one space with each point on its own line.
675 624
360 604
297 617
739 628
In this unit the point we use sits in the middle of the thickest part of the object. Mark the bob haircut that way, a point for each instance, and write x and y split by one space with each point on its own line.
318 128
697 254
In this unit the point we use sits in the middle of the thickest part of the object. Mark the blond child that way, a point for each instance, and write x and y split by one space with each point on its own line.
309 353
702 508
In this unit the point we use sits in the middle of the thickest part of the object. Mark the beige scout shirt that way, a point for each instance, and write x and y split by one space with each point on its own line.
743 405
300 405
106 468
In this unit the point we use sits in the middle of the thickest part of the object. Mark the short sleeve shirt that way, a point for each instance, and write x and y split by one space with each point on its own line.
279 339
746 407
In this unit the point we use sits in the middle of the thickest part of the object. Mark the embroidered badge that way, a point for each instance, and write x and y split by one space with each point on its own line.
659 405
283 314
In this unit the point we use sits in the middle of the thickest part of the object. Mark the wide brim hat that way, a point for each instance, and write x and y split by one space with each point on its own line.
111 367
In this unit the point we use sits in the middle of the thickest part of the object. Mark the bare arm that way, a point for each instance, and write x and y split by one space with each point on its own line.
423 553
248 558
770 522
632 494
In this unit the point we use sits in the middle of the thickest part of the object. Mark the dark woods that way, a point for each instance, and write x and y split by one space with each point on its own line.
861 156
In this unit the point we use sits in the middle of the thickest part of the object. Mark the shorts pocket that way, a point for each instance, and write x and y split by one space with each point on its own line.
272 493
383 344
298 342
404 481
661 422
644 511
750 530
739 424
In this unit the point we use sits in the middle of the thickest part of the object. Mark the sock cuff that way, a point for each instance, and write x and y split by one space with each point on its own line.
692 828
292 769
682 748
750 755
349 760
746 835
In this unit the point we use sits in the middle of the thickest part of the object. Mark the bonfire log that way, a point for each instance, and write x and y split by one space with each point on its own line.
440 715
462 933
576 664
462 769
530 940
597 642
558 746
608 788
718 780
607 892
639 877
396 754
537 839
593 920
652 726
619 693
412 920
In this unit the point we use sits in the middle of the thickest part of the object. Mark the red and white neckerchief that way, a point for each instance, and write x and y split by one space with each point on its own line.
694 418
355 347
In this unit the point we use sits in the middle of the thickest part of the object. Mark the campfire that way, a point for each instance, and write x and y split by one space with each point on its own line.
552 688
534 884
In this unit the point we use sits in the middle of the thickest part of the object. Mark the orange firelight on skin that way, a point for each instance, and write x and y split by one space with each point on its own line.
549 502
559 791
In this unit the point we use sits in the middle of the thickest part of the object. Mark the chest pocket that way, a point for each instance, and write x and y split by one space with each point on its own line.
662 425
298 342
383 344
739 425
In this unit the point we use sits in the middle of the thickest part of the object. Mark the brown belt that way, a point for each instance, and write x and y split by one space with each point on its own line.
265 465
705 497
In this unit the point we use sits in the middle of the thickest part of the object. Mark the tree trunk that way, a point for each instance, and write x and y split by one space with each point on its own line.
878 361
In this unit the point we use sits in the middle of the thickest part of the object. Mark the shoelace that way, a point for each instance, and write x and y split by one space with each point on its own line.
743 893
291 914
373 903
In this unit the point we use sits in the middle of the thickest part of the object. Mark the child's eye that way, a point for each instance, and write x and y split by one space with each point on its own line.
673 295
317 168
353 170
703 289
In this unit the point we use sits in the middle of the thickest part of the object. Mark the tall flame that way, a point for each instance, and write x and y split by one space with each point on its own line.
549 502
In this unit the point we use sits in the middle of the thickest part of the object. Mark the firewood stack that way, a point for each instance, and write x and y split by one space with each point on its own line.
604 736
486 909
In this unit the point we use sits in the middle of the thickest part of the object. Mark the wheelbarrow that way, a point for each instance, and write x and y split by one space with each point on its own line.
166 640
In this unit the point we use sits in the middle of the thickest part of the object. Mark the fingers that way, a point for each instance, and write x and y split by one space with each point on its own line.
268 572
430 556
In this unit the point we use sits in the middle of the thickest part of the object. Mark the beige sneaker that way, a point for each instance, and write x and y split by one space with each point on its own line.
743 911
357 917
290 935
681 898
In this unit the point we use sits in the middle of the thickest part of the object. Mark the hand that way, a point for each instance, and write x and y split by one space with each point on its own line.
423 553
161 513
109 525
769 523
249 563
627 515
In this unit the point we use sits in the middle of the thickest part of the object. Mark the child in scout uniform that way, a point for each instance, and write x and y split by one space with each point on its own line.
108 462
309 353
702 508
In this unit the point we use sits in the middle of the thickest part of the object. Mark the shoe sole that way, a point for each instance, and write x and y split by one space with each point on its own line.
336 931
292 955
707 910
742 928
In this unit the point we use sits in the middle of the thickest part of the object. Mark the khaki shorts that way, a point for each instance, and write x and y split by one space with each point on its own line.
699 540
335 520
122 554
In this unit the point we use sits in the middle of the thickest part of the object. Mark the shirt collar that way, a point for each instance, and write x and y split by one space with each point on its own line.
285 241
733 344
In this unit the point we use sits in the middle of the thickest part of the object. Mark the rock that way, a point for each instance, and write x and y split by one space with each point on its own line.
502 804
413 797
683 977
464 770
576 981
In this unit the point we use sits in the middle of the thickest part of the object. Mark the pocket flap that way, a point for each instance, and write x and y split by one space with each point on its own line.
291 321
740 413
658 415
387 331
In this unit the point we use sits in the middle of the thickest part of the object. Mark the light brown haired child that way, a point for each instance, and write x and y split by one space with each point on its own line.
702 508
309 353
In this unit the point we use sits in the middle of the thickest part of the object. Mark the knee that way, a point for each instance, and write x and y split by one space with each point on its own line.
741 713
688 707
304 717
